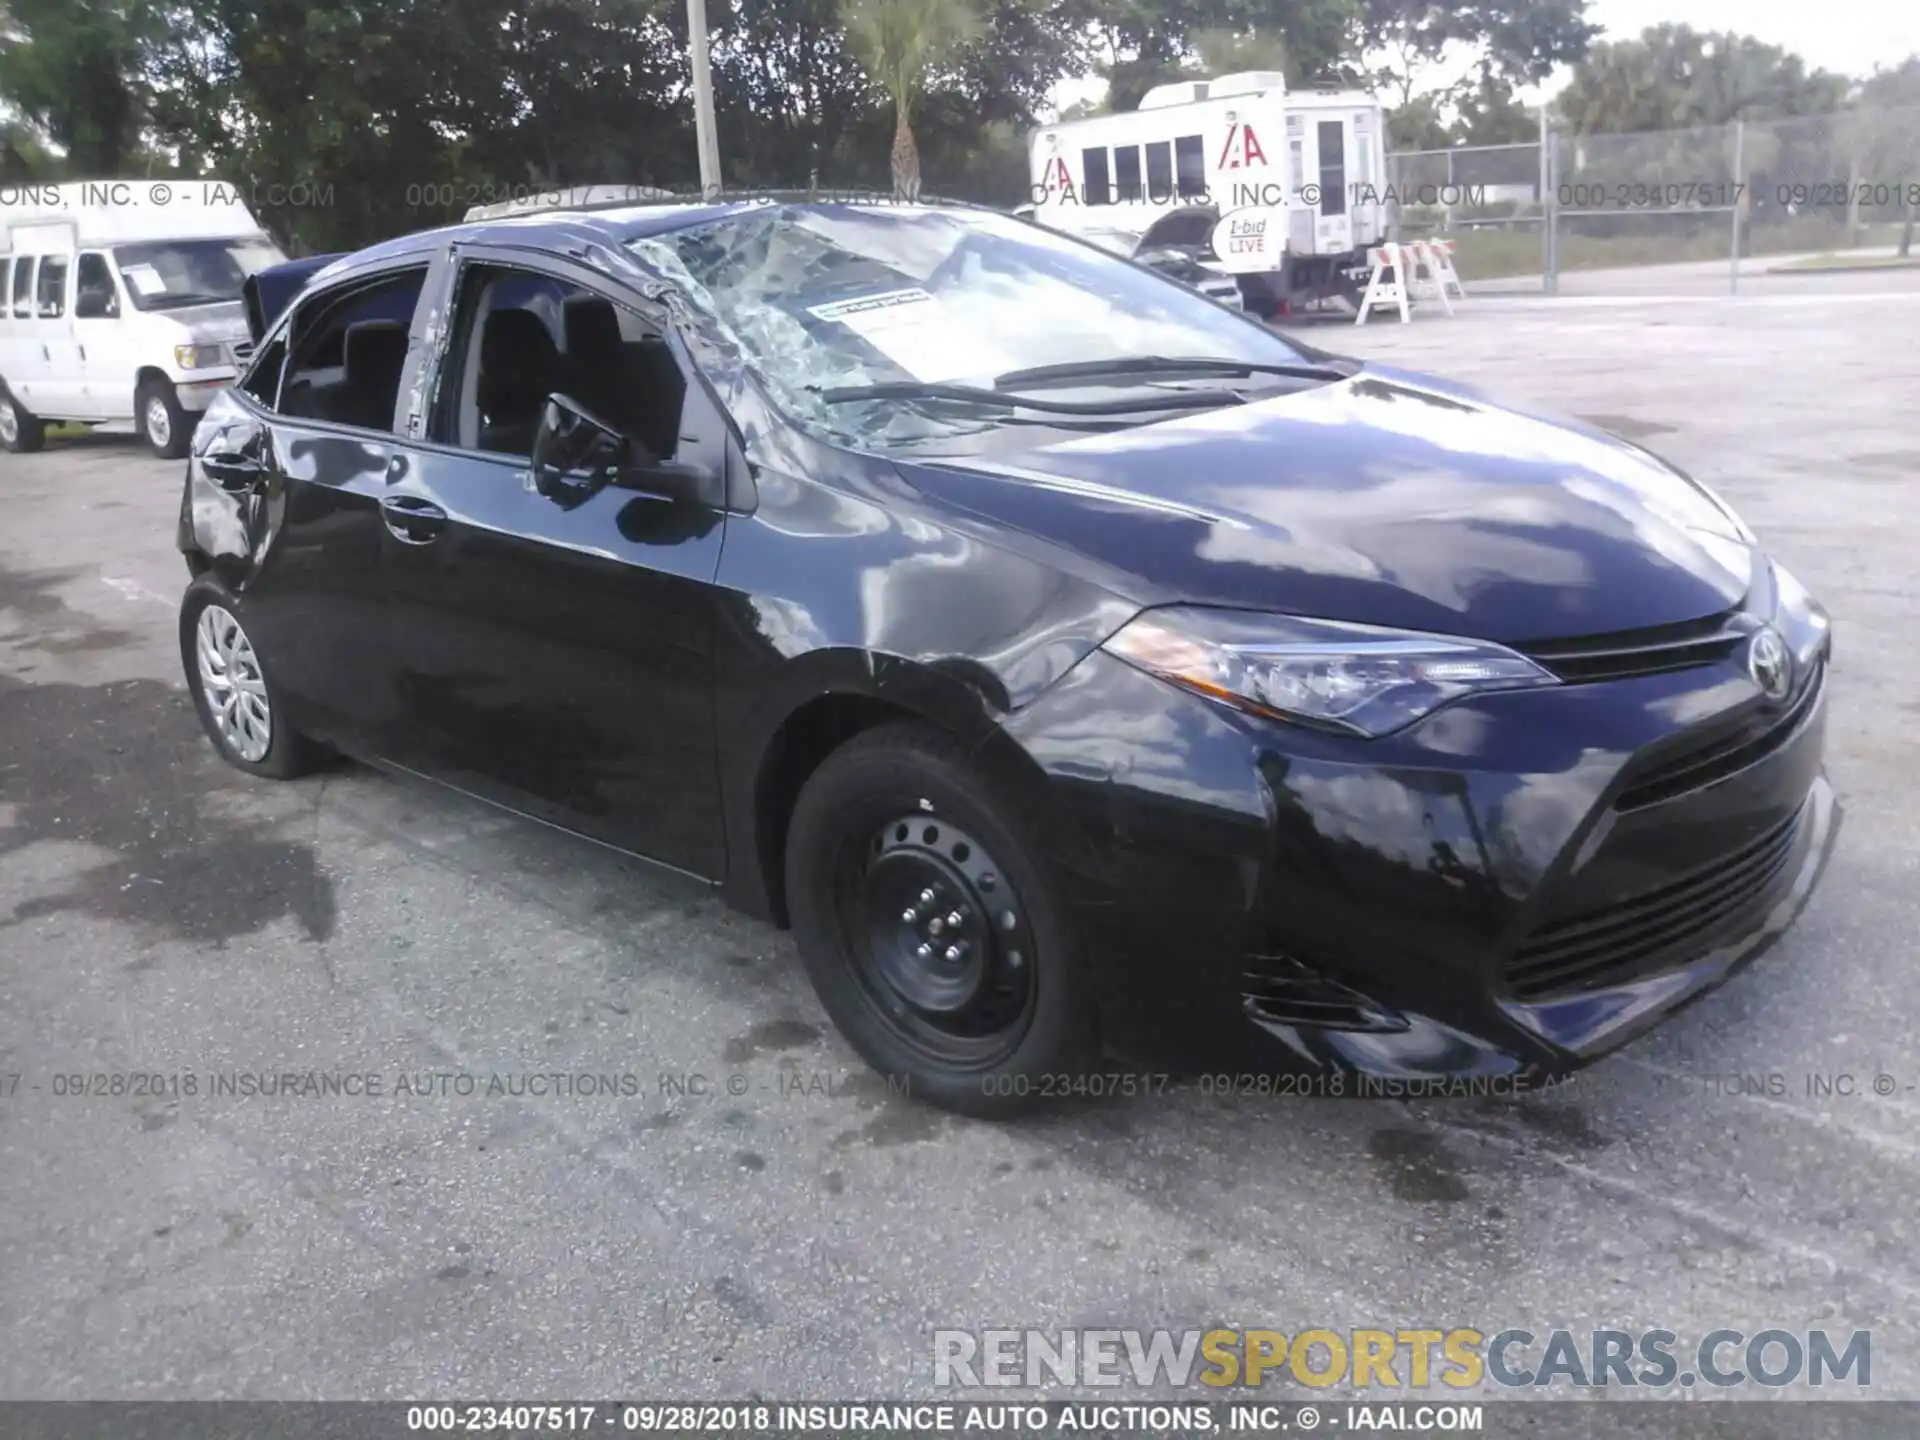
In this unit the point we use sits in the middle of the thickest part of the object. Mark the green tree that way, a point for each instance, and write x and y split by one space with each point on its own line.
1674 77
23 155
1520 42
902 43
1420 123
792 102
72 70
1229 52
357 105
1489 112
1482 110
383 117
1887 123
1144 43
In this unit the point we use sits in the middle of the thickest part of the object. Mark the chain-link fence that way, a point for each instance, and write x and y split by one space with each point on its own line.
1670 209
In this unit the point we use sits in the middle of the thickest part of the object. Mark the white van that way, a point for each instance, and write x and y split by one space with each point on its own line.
120 302
1311 161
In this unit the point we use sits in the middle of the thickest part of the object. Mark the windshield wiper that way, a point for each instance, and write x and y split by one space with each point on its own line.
974 395
179 300
1138 365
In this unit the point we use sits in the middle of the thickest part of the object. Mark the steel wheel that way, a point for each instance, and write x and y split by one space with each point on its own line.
939 939
9 423
235 690
159 423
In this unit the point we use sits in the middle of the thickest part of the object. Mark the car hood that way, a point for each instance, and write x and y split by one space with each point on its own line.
220 323
1388 498
268 292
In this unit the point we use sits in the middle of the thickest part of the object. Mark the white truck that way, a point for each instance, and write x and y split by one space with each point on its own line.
1288 186
120 302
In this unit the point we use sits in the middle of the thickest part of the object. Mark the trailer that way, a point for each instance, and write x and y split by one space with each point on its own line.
1295 180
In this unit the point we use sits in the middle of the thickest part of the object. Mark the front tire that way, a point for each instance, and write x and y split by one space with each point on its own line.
167 429
933 926
21 433
232 690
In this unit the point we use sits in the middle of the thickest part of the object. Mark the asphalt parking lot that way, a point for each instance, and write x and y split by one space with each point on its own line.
788 1227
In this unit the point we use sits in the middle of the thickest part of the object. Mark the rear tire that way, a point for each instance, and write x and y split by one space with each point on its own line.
232 688
975 998
21 433
167 429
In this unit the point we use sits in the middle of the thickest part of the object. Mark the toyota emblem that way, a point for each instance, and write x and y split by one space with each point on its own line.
1770 664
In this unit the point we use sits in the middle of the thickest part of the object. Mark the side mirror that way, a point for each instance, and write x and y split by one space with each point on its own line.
575 453
95 304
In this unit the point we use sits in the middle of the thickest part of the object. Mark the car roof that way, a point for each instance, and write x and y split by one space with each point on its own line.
582 227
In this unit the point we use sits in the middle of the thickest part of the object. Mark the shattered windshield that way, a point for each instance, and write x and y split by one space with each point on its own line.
819 298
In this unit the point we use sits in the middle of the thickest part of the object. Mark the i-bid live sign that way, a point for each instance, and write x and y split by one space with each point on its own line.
1251 240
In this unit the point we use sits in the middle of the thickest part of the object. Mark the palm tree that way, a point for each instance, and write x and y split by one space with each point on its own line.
899 41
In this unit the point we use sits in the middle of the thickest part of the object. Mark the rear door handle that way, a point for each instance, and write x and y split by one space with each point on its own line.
235 471
412 520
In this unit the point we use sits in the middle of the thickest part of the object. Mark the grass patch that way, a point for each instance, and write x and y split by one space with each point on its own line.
1657 240
1847 262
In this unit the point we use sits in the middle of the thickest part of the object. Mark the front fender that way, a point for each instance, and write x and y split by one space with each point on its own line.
899 609
216 526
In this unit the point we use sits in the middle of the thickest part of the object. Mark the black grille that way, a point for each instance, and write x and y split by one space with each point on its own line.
1283 991
1612 945
1639 652
242 351
1723 755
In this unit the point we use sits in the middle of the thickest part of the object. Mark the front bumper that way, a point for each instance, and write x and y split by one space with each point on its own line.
1516 884
198 393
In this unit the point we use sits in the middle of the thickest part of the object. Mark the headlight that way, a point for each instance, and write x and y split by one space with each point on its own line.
198 357
1353 678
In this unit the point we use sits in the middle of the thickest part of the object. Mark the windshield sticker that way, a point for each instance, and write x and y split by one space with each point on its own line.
864 310
145 280
915 331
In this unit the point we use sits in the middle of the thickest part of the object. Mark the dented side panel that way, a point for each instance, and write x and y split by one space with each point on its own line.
301 545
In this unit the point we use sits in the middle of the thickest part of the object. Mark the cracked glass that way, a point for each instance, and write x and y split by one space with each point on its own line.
823 297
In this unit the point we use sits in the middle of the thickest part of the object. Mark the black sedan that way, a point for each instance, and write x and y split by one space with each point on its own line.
1086 673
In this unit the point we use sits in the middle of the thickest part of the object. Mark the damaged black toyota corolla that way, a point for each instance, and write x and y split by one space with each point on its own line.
1080 669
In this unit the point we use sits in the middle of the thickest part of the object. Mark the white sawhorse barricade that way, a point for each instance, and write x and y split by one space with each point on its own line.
1419 270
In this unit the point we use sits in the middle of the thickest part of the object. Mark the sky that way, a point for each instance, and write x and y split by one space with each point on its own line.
1847 36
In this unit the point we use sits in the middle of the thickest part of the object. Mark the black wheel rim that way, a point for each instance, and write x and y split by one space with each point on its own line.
939 939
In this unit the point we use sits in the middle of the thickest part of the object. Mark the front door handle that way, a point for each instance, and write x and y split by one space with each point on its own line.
412 520
234 471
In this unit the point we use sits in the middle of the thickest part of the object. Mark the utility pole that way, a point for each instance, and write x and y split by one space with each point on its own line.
707 140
